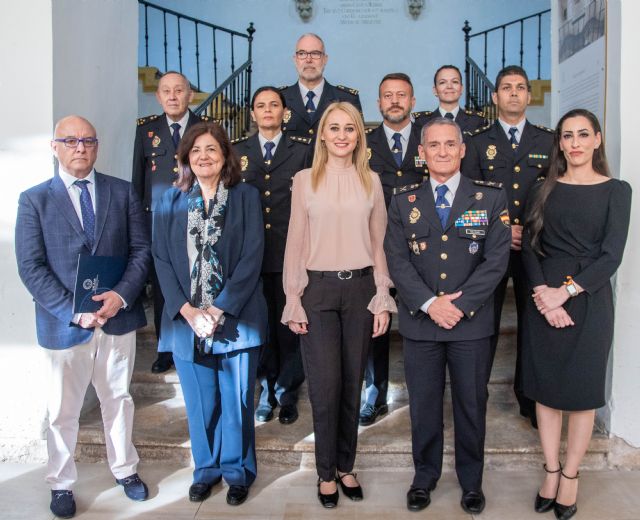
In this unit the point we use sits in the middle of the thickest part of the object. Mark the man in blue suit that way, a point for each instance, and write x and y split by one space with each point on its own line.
81 211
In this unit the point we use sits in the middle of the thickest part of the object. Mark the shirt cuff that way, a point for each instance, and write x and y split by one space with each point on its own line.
427 304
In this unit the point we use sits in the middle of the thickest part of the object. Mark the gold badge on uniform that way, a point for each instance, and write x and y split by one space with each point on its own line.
286 116
415 247
491 151
414 216
244 163
411 198
368 154
504 218
156 141
479 195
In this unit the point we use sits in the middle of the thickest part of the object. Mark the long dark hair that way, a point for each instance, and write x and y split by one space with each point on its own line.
557 169
230 174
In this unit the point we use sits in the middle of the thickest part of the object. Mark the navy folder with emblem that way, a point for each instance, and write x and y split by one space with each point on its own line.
95 275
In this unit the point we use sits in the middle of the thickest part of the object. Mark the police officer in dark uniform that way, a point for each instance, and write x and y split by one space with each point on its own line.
447 87
155 167
308 98
447 247
393 154
269 160
513 152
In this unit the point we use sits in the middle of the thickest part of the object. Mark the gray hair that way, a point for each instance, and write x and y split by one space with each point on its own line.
313 35
437 122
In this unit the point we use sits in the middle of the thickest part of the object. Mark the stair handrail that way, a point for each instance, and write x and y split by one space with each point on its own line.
479 89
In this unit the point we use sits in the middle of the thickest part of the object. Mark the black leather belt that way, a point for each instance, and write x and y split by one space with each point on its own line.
342 275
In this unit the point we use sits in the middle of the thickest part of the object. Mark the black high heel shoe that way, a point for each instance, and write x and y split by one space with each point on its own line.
331 500
543 504
354 493
561 511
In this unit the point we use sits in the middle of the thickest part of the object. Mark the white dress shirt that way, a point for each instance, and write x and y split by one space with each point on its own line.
454 111
405 134
519 126
183 124
317 90
263 140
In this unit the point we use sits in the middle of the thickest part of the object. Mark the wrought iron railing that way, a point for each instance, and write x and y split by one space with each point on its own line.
476 77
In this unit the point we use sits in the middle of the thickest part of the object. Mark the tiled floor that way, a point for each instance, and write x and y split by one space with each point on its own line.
282 494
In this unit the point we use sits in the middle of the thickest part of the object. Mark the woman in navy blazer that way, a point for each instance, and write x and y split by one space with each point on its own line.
207 247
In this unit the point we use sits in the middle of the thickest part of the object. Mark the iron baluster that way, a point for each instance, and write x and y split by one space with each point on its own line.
485 53
164 25
179 45
466 29
521 41
215 60
539 42
197 58
504 27
232 56
146 36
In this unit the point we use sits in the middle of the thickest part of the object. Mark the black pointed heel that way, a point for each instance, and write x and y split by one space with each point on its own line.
543 504
561 511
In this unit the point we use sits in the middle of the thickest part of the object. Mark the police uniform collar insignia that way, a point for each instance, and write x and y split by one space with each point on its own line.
352 91
414 216
492 151
156 141
287 116
244 163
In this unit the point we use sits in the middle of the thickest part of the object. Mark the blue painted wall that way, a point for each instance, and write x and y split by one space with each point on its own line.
364 40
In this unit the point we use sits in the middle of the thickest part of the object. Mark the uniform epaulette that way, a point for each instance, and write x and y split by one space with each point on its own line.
550 130
466 133
489 184
148 119
541 178
283 87
416 115
239 139
482 129
474 113
369 130
298 139
405 189
205 117
350 90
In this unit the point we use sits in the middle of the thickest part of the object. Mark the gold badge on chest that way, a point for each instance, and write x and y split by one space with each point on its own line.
491 151
414 216
156 142
244 163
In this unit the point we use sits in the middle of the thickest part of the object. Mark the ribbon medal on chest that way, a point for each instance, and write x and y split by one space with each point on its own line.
473 217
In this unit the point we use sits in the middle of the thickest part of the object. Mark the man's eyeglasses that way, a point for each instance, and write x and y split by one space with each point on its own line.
73 142
315 55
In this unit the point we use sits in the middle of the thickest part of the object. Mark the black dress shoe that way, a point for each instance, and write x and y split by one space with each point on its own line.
473 502
62 503
418 499
163 362
354 493
199 491
329 501
237 495
564 512
543 504
288 414
369 413
264 413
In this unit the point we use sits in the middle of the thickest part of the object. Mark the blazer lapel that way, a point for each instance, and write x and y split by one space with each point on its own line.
294 102
283 152
429 205
255 155
179 239
328 96
379 139
103 197
59 193
462 201
411 152
527 141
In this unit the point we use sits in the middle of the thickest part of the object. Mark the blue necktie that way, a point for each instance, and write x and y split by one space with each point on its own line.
268 146
397 148
513 140
449 115
442 206
176 134
86 207
310 106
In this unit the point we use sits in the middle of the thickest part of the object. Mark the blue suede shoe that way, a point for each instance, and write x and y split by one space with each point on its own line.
134 488
62 503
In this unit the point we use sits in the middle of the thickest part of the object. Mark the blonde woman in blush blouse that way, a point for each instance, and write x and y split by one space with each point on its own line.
337 288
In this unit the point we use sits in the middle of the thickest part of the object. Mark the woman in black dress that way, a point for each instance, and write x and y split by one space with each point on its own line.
575 233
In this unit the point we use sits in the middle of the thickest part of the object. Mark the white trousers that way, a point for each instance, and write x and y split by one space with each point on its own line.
105 361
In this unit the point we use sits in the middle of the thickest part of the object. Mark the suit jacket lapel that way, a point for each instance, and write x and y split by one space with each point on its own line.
412 148
379 138
193 119
103 197
60 194
255 153
282 153
294 101
328 96
527 141
502 143
179 240
461 202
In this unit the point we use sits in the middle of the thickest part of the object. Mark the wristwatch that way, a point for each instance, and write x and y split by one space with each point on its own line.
571 287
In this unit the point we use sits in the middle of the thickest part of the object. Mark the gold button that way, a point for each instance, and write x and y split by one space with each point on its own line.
267 177
153 154
175 156
491 167
539 165
471 313
516 186
267 210
516 221
175 169
244 180
267 226
445 238
516 169
443 256
399 173
443 276
516 202
441 293
267 193
311 130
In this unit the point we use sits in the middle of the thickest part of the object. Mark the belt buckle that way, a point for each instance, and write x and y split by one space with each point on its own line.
345 275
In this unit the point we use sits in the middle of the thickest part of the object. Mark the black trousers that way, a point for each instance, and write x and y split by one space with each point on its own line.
280 369
521 291
469 367
334 353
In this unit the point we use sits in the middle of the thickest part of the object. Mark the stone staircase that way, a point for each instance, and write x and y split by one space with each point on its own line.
161 434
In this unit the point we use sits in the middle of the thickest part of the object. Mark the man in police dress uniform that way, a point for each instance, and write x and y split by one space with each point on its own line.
513 152
393 154
269 160
155 167
308 98
447 87
447 246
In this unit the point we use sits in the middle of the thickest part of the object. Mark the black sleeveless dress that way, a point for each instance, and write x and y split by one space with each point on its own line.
584 234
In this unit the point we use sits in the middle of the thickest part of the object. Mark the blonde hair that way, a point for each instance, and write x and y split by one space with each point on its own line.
359 156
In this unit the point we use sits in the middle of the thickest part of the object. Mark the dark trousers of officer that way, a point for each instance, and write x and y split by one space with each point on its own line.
469 368
334 354
280 370
521 291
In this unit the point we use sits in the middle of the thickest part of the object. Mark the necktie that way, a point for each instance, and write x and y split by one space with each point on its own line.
397 148
176 134
513 140
310 106
449 115
86 208
442 206
268 146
